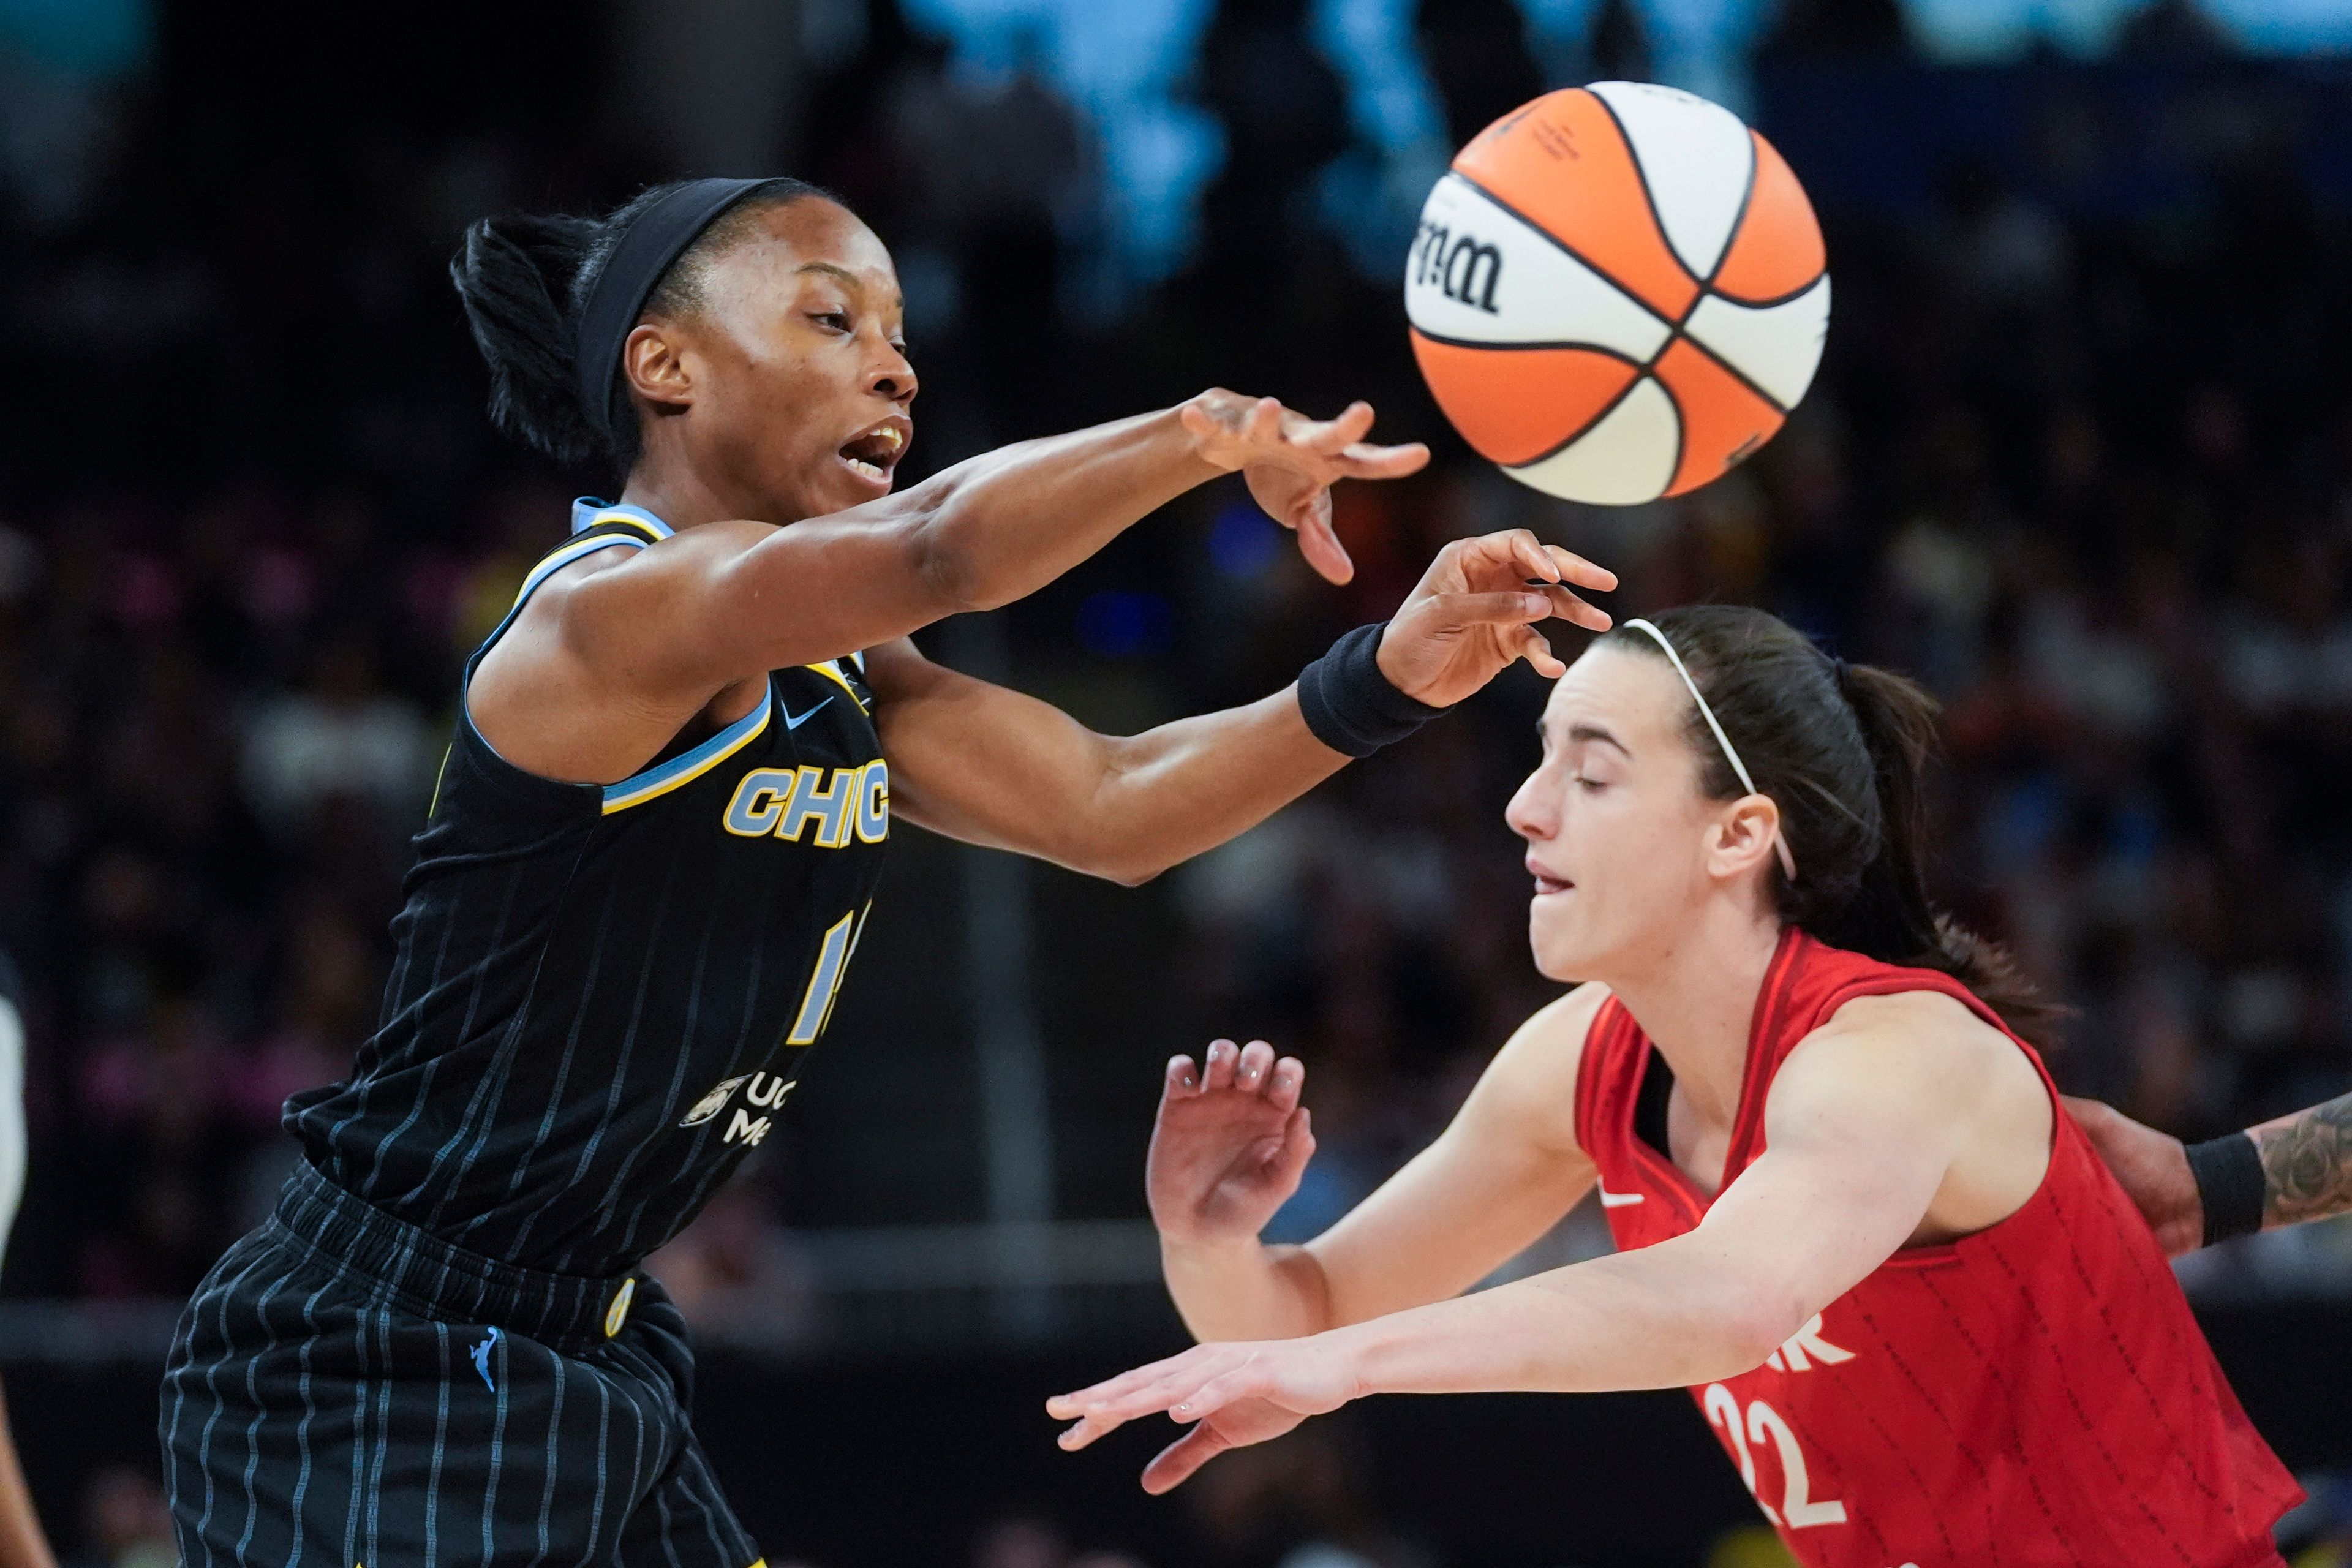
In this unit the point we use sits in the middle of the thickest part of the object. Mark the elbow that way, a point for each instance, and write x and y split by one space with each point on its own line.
950 569
1112 833
1111 866
1129 876
1746 1329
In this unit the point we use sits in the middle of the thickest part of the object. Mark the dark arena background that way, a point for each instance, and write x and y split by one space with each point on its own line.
2079 457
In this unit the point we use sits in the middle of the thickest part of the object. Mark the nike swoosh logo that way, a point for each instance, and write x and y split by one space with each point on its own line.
794 720
1609 1200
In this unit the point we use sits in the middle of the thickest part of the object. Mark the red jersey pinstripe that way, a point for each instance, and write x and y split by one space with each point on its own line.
2035 1394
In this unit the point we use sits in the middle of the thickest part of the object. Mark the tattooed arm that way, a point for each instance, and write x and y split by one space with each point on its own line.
2306 1160
2307 1163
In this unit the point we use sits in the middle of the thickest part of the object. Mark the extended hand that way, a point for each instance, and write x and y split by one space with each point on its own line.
2153 1169
1234 1394
1291 463
1229 1145
1471 615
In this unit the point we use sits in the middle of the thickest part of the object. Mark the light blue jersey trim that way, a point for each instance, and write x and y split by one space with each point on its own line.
638 788
559 560
587 511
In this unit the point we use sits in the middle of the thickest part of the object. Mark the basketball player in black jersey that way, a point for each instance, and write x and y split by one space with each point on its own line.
653 847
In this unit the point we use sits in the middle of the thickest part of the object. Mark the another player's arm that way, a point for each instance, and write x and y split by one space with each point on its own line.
1862 1129
988 765
2305 1164
22 1544
1502 1174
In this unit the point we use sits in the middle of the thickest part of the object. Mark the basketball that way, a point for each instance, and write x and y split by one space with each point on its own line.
1618 292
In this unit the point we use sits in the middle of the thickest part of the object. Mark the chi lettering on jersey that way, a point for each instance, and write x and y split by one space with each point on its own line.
839 803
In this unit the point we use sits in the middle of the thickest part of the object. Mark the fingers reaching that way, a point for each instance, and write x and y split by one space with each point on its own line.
1515 606
1530 644
1254 1068
1332 436
1577 612
1531 555
1131 1394
1318 541
1297 1148
1175 1464
1575 569
1284 1084
1183 1079
1362 460
1520 551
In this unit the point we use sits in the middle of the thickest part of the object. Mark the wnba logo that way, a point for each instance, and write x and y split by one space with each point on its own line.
1459 266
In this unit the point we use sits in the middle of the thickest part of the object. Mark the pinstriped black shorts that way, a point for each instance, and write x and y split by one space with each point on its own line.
346 1390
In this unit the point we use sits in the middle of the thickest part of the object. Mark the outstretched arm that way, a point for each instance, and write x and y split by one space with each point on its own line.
1861 1136
2306 1168
990 766
618 650
1232 1141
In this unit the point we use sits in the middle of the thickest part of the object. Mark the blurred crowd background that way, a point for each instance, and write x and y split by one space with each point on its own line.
2080 457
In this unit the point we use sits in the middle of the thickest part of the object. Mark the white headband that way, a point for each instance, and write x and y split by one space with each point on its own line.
1780 842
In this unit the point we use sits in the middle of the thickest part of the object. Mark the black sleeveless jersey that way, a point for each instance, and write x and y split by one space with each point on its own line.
601 994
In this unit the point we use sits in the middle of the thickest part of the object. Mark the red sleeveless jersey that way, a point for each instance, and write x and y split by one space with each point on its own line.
2037 1394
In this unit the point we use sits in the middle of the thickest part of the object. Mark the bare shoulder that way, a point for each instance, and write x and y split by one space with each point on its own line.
595 608
1910 1061
538 658
1917 1018
1927 1038
1532 1082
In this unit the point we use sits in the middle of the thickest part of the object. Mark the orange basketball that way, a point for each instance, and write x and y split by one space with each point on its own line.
1618 292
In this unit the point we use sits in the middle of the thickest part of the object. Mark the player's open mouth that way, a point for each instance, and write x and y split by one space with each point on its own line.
872 454
1547 883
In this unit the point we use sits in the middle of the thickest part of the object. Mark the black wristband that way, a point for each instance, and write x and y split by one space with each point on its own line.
2230 1184
1350 705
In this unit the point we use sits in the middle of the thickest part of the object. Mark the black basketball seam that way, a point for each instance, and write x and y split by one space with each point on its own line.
1791 297
1682 436
1582 259
1565 344
1739 221
1640 368
1737 374
1592 423
1642 176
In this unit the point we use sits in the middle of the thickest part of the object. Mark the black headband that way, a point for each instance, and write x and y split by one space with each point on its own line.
654 238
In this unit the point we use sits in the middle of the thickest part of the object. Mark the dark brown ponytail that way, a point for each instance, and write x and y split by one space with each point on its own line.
1844 751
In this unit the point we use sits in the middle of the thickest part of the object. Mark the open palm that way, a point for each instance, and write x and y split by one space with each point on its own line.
1232 1394
1230 1143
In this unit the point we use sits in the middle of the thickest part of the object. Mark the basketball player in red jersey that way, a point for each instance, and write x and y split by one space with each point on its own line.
1915 1309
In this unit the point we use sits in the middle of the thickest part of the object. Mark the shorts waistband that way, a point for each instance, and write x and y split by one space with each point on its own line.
427 1275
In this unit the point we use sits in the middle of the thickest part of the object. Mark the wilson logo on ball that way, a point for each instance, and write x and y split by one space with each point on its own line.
1461 268
1644 303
